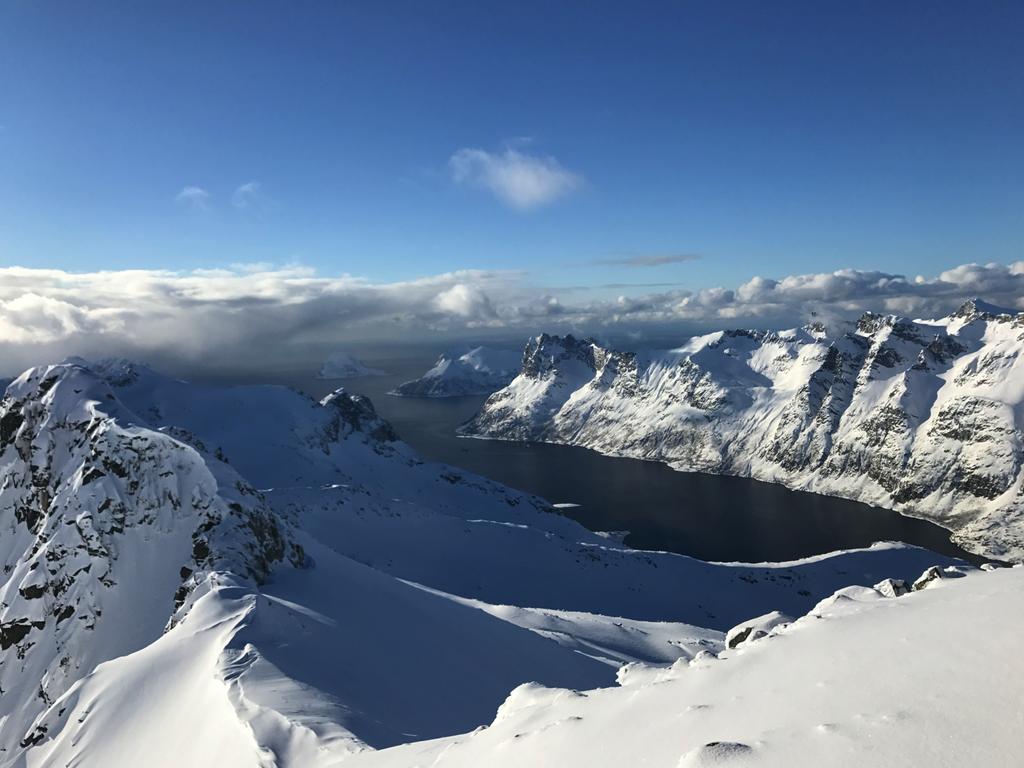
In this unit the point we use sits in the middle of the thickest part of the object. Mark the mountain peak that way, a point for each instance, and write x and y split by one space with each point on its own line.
70 390
546 353
358 415
973 308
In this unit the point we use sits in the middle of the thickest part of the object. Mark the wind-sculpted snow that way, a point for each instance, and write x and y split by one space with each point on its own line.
157 609
920 416
929 678
107 527
480 371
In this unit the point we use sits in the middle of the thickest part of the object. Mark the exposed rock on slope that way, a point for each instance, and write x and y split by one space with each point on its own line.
920 416
107 528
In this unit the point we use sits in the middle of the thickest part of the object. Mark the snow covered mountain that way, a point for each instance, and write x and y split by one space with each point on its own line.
243 576
342 365
480 371
922 416
109 528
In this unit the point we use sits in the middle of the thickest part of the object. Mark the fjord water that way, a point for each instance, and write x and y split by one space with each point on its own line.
711 517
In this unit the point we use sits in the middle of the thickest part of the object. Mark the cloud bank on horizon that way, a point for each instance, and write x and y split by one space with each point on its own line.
257 314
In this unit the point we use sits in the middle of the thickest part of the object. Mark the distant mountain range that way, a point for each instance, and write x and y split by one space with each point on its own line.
922 416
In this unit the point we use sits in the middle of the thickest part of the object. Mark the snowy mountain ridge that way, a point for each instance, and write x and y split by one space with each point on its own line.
84 490
921 416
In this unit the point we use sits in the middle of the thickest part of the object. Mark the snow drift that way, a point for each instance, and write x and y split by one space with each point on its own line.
861 680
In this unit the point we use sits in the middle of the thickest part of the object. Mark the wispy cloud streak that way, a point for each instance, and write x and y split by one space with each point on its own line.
647 260
193 197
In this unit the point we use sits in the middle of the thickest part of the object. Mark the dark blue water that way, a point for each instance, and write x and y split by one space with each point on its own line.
707 516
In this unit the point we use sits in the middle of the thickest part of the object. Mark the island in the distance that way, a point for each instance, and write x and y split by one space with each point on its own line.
480 371
342 365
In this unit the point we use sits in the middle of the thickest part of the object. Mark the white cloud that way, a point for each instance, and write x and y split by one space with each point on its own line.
247 195
258 315
193 197
517 179
467 301
34 319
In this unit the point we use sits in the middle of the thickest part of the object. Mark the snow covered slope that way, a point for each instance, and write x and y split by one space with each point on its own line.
107 528
924 417
338 472
930 678
342 365
244 576
479 371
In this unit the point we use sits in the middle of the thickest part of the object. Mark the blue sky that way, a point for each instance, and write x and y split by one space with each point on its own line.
765 138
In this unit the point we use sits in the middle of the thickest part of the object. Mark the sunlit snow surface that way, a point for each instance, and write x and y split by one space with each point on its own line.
158 610
932 678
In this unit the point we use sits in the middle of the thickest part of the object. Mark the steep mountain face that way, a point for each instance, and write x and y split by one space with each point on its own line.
108 527
244 576
920 416
480 371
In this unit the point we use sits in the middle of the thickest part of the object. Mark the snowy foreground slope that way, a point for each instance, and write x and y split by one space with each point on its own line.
931 678
924 417
479 371
243 576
